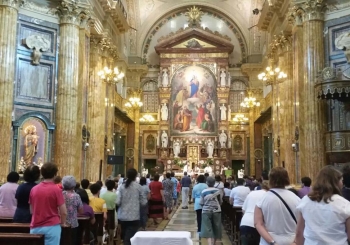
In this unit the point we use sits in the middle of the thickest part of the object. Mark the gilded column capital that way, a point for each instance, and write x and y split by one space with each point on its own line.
114 52
11 3
312 9
295 16
71 13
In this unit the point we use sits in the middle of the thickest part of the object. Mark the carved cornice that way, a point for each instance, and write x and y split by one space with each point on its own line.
11 3
113 9
249 68
71 13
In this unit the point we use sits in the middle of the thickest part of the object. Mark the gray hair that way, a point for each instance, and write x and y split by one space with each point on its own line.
68 182
210 181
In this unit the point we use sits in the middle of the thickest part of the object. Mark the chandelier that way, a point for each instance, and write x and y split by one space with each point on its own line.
134 101
240 118
110 76
250 102
272 76
147 118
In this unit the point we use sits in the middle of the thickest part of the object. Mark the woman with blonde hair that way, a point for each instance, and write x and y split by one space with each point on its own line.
274 214
324 214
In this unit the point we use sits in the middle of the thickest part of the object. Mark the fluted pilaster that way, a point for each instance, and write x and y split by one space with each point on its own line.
8 32
137 139
96 112
67 139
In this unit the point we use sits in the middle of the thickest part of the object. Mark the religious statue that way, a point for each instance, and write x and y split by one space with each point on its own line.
164 139
240 174
165 80
164 112
223 139
223 78
176 148
223 110
210 148
30 143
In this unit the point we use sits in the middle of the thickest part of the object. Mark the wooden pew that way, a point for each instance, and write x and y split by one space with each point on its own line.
97 228
21 238
84 228
84 224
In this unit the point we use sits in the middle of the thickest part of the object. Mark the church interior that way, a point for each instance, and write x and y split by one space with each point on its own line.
228 87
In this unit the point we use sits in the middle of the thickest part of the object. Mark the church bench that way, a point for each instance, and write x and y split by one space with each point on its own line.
25 228
84 224
21 238
97 228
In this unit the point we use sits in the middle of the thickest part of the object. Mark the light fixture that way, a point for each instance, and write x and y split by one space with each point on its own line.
272 76
240 118
134 101
250 102
147 118
110 76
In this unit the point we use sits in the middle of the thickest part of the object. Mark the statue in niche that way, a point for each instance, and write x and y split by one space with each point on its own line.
150 143
210 148
223 78
237 143
164 112
165 80
223 139
164 139
176 148
30 143
223 110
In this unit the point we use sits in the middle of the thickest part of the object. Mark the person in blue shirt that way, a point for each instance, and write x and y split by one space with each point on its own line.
196 195
174 180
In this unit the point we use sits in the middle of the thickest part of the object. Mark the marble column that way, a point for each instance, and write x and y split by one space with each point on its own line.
312 119
96 114
298 76
287 123
137 139
8 34
84 44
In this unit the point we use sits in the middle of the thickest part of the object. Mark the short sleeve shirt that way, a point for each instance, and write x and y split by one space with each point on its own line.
325 222
110 199
73 203
45 198
156 187
239 194
88 211
98 204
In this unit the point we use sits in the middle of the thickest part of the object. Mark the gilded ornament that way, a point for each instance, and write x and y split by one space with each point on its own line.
194 15
38 44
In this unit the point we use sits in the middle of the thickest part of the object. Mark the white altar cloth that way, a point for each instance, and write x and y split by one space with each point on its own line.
162 238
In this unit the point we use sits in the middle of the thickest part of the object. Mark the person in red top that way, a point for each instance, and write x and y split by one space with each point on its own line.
48 207
156 201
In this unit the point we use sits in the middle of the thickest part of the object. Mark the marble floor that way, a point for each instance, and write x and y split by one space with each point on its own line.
185 220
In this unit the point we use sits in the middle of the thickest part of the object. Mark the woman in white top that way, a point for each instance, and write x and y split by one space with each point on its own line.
272 219
249 235
324 213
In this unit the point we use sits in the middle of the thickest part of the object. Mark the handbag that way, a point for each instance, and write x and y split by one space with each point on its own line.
286 205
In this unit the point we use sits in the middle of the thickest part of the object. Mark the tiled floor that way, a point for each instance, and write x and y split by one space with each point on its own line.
185 220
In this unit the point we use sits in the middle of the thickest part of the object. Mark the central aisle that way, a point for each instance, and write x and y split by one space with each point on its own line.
185 220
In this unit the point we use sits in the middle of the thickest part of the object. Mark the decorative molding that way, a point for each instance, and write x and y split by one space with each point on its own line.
71 13
11 3
38 44
38 8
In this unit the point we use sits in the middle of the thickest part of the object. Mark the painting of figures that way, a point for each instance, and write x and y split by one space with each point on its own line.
194 101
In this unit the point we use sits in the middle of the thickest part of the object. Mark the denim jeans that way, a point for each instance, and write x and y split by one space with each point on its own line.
52 234
129 229
249 235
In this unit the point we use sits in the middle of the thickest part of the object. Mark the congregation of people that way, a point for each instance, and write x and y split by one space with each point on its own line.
273 211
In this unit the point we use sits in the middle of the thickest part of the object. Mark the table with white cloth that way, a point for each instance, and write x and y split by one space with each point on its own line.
162 238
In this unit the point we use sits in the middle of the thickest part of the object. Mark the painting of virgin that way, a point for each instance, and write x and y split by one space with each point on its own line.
193 101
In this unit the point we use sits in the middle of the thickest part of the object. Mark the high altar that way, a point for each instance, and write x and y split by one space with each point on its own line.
194 90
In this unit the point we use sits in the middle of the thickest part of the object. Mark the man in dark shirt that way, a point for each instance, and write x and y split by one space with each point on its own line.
185 184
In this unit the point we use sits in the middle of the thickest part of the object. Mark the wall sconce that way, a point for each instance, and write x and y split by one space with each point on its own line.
295 147
86 146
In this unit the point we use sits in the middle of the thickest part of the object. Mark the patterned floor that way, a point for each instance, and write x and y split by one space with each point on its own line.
185 220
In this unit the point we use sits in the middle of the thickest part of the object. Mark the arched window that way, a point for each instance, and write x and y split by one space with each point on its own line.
237 95
150 96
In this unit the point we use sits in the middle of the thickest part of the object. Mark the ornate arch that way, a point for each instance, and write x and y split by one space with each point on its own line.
206 10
